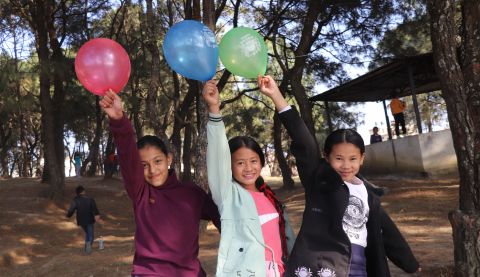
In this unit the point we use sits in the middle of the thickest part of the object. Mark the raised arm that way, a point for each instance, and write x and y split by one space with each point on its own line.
218 153
304 147
124 137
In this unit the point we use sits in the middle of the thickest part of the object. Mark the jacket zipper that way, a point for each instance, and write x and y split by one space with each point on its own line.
266 246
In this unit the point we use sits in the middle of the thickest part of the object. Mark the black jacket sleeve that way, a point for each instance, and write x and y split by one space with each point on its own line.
210 211
396 247
304 146
94 207
71 210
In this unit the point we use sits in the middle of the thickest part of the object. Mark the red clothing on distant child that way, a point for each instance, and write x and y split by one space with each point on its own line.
167 217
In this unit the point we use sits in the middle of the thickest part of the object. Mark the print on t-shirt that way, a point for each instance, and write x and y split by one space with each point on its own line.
355 217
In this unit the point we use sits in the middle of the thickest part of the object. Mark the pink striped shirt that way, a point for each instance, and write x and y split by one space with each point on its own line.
271 234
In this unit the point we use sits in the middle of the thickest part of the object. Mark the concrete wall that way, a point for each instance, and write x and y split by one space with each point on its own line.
427 155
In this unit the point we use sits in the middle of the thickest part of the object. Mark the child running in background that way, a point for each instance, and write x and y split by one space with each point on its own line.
256 237
167 212
345 231
87 215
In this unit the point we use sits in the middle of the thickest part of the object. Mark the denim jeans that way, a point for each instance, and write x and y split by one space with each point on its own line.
88 232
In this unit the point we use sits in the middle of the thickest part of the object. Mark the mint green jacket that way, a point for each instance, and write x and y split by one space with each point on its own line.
242 248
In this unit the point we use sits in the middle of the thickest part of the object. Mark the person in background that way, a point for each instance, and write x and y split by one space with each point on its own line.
397 107
167 211
87 215
77 158
375 137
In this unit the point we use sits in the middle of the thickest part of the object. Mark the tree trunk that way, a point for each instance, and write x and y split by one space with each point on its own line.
109 148
153 118
459 76
296 73
466 237
25 158
202 111
93 155
39 13
4 164
5 134
178 122
135 113
187 153
60 71
288 182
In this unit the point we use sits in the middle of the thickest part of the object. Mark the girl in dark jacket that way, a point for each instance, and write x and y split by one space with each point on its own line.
345 232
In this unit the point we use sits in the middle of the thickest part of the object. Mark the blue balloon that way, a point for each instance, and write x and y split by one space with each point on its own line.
191 50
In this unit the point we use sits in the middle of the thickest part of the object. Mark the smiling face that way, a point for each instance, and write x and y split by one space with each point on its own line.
346 159
246 167
155 165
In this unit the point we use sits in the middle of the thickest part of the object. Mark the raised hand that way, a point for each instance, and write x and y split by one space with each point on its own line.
269 88
112 105
211 96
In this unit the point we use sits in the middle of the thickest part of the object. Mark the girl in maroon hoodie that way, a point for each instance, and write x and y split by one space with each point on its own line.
167 212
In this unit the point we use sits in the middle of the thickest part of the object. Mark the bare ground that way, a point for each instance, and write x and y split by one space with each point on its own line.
37 240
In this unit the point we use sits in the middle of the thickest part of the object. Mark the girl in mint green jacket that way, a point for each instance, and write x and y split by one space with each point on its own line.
256 237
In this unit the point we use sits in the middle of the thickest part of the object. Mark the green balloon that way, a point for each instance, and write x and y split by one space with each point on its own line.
243 52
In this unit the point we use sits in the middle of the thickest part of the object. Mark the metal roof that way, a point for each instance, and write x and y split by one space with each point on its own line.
381 83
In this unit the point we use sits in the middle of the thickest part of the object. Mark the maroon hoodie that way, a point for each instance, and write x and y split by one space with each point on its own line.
167 217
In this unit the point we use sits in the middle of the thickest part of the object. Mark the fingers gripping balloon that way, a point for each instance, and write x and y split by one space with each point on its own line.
102 64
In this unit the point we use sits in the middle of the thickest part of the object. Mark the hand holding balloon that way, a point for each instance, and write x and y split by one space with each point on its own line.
211 97
112 105
102 64
269 88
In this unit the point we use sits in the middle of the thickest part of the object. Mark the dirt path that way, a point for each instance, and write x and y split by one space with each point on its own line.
37 239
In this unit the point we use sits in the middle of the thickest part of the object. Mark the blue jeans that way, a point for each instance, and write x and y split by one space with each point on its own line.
88 232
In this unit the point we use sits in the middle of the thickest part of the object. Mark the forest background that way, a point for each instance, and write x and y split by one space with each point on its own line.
45 114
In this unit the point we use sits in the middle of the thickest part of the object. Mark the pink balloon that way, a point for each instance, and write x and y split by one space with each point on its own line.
102 64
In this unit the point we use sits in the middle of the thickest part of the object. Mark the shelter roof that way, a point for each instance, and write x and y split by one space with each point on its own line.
381 83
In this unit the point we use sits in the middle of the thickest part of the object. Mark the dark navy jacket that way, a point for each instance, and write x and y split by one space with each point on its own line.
86 210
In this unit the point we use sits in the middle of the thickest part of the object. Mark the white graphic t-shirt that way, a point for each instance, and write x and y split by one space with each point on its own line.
356 215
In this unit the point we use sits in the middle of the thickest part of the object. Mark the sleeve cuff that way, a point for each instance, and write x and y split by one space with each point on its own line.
285 109
215 117
118 122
